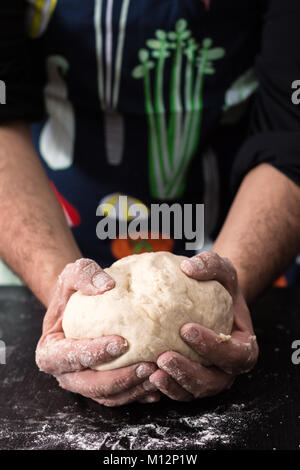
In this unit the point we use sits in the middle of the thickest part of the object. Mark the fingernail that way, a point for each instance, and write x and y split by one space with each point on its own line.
192 265
115 348
149 387
190 334
187 266
199 263
103 281
143 371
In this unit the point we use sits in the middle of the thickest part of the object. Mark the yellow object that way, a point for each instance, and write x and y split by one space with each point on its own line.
39 15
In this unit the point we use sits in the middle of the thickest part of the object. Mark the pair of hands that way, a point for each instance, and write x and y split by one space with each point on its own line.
173 375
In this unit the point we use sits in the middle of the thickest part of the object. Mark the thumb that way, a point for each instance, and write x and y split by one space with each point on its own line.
86 276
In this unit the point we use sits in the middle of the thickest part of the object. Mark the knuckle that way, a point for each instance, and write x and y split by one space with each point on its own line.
81 263
95 390
214 263
209 255
104 390
79 266
90 268
88 274
90 391
211 258
215 258
121 383
78 275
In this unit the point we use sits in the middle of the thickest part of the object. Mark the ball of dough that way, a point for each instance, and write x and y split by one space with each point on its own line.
152 299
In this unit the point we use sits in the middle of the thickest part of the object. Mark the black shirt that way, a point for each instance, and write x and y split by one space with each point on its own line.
131 95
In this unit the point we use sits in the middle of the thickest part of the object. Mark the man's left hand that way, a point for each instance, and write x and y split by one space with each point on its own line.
182 379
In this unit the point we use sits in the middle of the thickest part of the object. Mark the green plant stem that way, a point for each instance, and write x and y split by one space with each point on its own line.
189 105
119 54
161 113
193 136
156 182
174 131
99 49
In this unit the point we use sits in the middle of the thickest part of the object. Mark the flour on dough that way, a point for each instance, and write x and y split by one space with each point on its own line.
152 299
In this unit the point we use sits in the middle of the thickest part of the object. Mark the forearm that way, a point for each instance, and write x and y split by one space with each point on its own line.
35 240
261 234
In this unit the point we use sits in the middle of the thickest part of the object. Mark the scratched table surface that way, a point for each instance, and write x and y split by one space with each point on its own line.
261 411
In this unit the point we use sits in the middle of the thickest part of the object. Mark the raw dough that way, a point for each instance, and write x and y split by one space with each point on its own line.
152 299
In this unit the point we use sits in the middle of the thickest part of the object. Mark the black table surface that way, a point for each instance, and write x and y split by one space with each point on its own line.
261 411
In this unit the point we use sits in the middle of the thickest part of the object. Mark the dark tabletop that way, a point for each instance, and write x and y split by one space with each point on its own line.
261 411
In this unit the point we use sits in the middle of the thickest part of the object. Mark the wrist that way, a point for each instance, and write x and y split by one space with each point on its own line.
243 278
44 287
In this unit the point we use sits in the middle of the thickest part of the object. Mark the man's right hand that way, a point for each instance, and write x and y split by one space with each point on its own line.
70 360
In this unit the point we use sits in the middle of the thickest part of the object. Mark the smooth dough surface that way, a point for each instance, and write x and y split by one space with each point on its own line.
152 299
